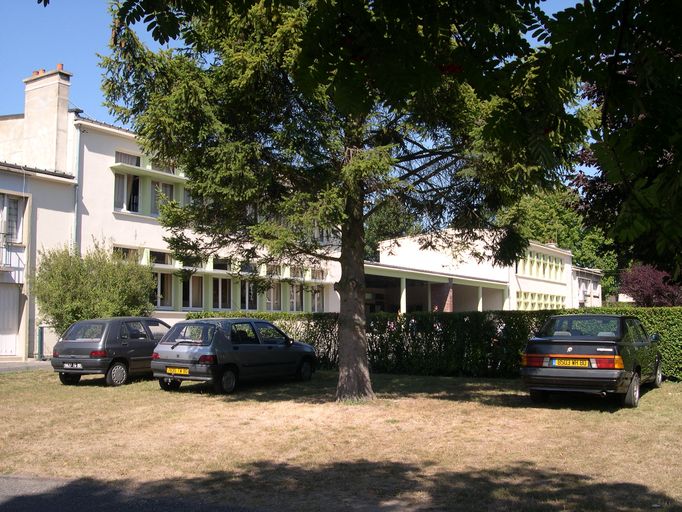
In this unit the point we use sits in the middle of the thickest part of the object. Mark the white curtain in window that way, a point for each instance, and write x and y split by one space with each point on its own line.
119 191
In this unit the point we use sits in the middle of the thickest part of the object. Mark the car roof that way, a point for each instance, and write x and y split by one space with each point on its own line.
593 315
218 319
118 318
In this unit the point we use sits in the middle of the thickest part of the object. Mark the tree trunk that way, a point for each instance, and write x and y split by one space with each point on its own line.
354 380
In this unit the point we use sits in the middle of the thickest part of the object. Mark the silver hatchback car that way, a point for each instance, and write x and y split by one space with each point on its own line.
223 351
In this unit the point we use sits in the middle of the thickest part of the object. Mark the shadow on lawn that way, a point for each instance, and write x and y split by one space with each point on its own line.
493 392
360 486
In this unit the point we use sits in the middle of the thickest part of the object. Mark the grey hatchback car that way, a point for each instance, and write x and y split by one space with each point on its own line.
116 347
225 351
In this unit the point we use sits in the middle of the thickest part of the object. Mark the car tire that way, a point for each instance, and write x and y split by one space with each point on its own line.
631 398
226 382
538 397
117 374
658 376
69 379
305 371
169 384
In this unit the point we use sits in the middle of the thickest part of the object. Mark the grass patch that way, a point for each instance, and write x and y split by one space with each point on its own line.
427 444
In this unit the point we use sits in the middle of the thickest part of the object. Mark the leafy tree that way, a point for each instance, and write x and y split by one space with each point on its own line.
390 219
100 284
628 57
555 217
293 117
650 287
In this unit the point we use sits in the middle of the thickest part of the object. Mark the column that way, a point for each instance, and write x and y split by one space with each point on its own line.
403 295
480 299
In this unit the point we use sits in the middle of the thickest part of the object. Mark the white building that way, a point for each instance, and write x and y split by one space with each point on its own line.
69 180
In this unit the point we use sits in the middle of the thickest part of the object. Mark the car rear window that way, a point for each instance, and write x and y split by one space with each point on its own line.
581 326
191 334
84 331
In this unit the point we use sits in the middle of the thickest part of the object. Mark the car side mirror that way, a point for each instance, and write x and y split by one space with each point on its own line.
655 337
289 341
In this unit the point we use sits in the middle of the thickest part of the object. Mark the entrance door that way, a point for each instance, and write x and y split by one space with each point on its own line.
9 319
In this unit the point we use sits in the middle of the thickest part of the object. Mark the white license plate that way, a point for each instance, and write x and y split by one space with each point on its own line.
74 366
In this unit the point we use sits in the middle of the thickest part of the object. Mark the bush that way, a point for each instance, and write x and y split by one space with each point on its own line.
476 344
69 288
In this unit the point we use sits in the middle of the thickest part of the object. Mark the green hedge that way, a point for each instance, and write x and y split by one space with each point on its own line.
478 344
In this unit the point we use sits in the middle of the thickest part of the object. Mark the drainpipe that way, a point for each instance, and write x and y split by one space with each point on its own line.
39 356
76 191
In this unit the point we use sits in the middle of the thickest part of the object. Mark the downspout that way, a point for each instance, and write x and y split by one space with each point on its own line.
76 193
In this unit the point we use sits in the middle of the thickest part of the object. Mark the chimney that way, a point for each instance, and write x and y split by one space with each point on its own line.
46 110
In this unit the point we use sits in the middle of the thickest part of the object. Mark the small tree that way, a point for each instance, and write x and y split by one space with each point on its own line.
650 287
69 288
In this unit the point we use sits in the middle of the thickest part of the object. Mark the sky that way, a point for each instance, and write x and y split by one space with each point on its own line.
71 32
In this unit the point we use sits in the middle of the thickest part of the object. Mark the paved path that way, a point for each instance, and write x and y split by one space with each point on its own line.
28 494
22 366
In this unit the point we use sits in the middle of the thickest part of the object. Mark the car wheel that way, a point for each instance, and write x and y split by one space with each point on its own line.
305 370
538 397
658 379
69 379
117 374
227 382
631 398
169 384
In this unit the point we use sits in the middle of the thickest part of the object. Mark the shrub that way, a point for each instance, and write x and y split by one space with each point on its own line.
69 288
477 344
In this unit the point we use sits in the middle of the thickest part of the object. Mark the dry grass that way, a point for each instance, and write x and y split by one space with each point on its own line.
426 444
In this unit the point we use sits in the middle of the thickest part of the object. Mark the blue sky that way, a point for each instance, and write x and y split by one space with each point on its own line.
71 32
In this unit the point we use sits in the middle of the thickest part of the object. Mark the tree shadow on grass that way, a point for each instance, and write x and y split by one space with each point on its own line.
358 486
508 393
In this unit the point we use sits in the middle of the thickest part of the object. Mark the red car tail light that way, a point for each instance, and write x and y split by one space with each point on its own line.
155 355
206 359
98 353
608 363
55 354
532 360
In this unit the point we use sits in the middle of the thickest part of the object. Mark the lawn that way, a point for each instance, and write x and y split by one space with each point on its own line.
425 444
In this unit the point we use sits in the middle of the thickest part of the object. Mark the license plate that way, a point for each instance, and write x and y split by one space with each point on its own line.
580 363
74 366
178 371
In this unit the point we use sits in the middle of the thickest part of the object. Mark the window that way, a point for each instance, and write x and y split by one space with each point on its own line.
318 274
247 267
160 166
11 217
133 330
273 297
186 197
160 190
318 299
221 264
272 270
296 297
222 293
249 300
127 192
127 253
160 258
157 329
192 292
269 334
163 295
126 158
297 272
243 334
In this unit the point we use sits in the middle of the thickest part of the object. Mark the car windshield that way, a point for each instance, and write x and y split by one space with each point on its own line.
191 334
581 326
84 331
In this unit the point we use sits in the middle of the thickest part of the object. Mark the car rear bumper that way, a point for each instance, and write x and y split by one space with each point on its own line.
580 380
87 366
196 372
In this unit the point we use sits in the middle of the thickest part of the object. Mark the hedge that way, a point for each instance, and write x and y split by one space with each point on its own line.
477 344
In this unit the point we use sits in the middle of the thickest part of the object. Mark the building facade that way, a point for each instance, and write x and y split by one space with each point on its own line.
69 180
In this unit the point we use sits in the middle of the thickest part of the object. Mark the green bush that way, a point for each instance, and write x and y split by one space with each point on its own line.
477 344
68 288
